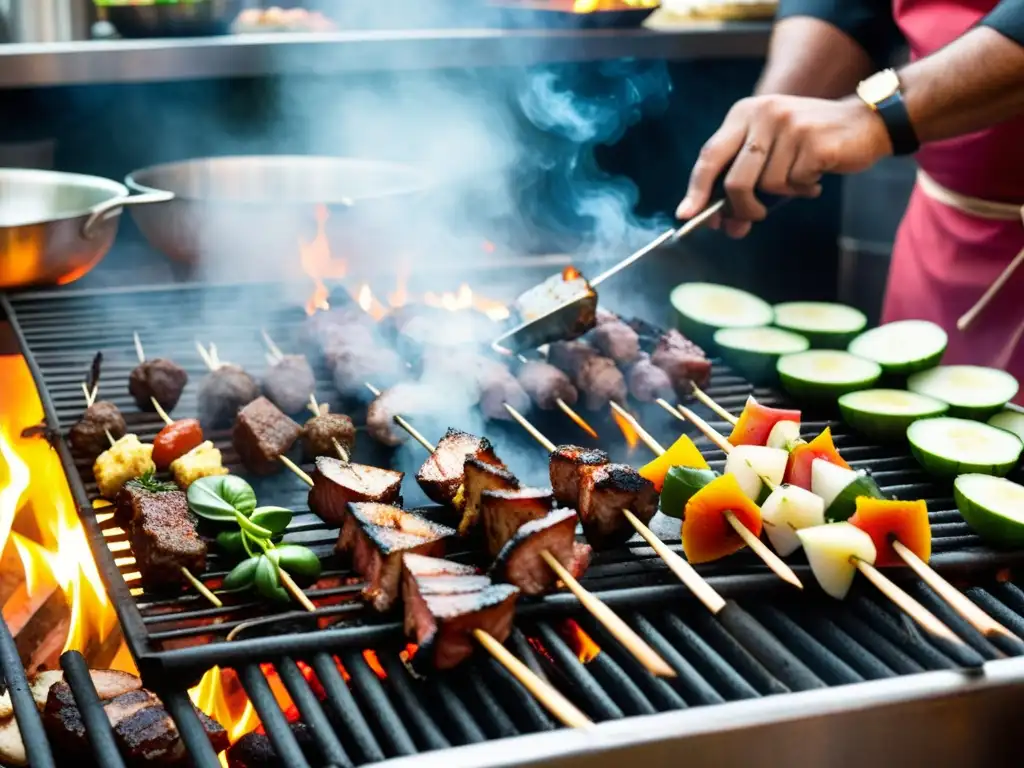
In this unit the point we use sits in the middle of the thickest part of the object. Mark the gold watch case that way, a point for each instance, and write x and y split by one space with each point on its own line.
879 87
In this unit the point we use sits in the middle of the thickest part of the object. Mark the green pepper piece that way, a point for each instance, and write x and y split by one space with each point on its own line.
267 581
680 484
298 560
242 575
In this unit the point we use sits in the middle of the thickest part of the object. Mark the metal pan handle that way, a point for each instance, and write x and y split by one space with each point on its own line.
105 210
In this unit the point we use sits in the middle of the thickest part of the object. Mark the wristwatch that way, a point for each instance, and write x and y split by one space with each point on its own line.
882 93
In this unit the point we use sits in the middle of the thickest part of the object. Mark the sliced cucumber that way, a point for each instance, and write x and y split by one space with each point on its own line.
993 507
902 347
787 510
784 435
750 463
1011 421
754 352
826 374
680 484
703 308
823 324
839 488
947 446
972 391
830 551
885 414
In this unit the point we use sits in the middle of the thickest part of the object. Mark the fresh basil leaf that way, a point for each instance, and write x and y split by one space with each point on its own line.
298 560
242 575
267 582
238 493
274 519
206 500
231 543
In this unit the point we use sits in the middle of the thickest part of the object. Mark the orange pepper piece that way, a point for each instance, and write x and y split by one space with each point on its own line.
885 520
706 534
798 471
755 423
682 453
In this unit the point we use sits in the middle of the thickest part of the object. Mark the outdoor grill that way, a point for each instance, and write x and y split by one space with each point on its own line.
342 666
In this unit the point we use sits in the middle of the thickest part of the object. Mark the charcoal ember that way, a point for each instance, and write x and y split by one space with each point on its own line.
160 379
337 483
289 383
604 492
683 361
601 382
616 340
647 382
223 393
546 385
566 466
441 475
503 512
480 476
255 750
571 356
320 432
162 532
89 436
263 434
520 561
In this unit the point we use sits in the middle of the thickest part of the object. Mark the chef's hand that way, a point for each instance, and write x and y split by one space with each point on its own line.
782 145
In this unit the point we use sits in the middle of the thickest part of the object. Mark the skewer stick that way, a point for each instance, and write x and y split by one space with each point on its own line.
706 429
299 471
294 590
90 397
207 359
534 432
138 347
201 588
275 351
160 411
645 437
578 420
314 406
703 396
342 453
553 701
400 421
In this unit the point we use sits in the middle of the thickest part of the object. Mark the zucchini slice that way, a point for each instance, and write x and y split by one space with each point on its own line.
703 308
1011 421
947 446
885 414
821 374
824 324
993 507
840 487
754 352
903 347
972 391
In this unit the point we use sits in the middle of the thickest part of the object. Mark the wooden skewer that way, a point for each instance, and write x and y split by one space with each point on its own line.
645 437
207 359
401 421
275 352
578 420
703 396
534 432
138 347
299 471
314 406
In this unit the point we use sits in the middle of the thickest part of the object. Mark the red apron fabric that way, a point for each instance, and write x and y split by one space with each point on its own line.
943 260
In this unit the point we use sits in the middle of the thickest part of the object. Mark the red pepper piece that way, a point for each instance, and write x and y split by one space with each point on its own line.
706 534
798 470
756 422
904 521
175 440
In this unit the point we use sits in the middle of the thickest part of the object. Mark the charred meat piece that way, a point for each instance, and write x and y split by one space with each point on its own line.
289 383
89 436
520 562
444 603
162 532
683 361
566 465
604 492
480 476
337 483
263 434
376 536
255 750
546 385
441 475
570 356
616 340
160 379
601 382
565 304
503 512
223 393
320 432
109 683
647 382
352 368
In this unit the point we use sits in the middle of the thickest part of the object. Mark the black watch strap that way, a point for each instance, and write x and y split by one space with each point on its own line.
894 114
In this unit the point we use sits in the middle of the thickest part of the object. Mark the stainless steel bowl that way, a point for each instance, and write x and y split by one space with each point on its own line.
182 19
55 227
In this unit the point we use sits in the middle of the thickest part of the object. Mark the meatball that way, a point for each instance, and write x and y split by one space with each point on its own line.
497 391
289 383
89 436
546 384
647 382
601 382
223 393
618 341
160 379
407 398
380 367
571 356
683 361
321 431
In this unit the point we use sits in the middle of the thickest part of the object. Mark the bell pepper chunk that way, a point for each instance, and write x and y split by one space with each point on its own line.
798 472
682 453
756 422
886 521
706 534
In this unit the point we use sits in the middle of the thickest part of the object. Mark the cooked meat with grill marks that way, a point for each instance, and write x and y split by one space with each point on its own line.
441 475
520 562
157 378
570 356
546 384
255 750
502 512
89 436
376 536
616 340
320 432
336 484
647 382
444 603
109 683
289 383
601 382
565 465
223 393
353 368
480 476
604 492
162 532
262 435
683 361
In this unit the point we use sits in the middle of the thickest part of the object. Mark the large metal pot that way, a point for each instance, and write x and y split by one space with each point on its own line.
55 227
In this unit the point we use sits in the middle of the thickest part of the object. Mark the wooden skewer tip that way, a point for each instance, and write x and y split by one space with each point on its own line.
201 588
299 471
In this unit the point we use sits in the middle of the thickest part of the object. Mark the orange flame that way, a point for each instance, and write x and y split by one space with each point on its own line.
578 420
220 695
580 642
464 298
318 263
570 273
400 296
632 438
590 6
374 663
369 303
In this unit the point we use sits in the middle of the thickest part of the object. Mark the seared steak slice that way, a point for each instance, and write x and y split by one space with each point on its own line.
262 434
376 536
566 465
255 750
520 562
604 492
479 477
444 603
109 683
504 511
162 532
336 484
441 474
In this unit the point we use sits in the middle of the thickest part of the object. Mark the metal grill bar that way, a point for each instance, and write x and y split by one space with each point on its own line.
97 725
29 722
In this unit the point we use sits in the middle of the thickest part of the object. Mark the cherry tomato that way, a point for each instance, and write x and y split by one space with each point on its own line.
175 440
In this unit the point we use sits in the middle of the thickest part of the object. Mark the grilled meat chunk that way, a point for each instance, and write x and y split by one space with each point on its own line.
497 392
601 382
614 339
223 393
546 385
109 683
336 484
520 562
683 361
503 512
570 356
160 379
444 603
89 436
289 383
604 492
263 434
162 532
480 476
352 368
441 475
376 536
647 382
320 432
566 465
255 750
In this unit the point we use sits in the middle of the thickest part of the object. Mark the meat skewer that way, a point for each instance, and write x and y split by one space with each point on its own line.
549 386
225 391
290 381
156 383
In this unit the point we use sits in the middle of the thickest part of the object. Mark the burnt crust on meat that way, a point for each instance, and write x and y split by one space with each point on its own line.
503 512
319 433
262 434
480 476
162 532
604 492
289 383
564 467
88 437
223 393
520 563
441 475
157 378
255 750
336 484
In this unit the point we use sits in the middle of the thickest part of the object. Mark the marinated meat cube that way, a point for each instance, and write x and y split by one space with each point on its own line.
89 436
376 536
440 477
617 341
565 466
255 750
336 484
263 434
289 383
520 562
604 492
163 535
479 476
571 356
503 512
601 382
546 385
683 361
223 393
159 379
444 604
647 382
321 431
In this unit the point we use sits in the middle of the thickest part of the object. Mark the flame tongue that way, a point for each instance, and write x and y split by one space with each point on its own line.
580 642
319 264
632 438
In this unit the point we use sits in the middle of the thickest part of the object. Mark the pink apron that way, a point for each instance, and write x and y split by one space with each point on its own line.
945 259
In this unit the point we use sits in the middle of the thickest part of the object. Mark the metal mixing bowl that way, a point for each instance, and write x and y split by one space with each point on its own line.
181 19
